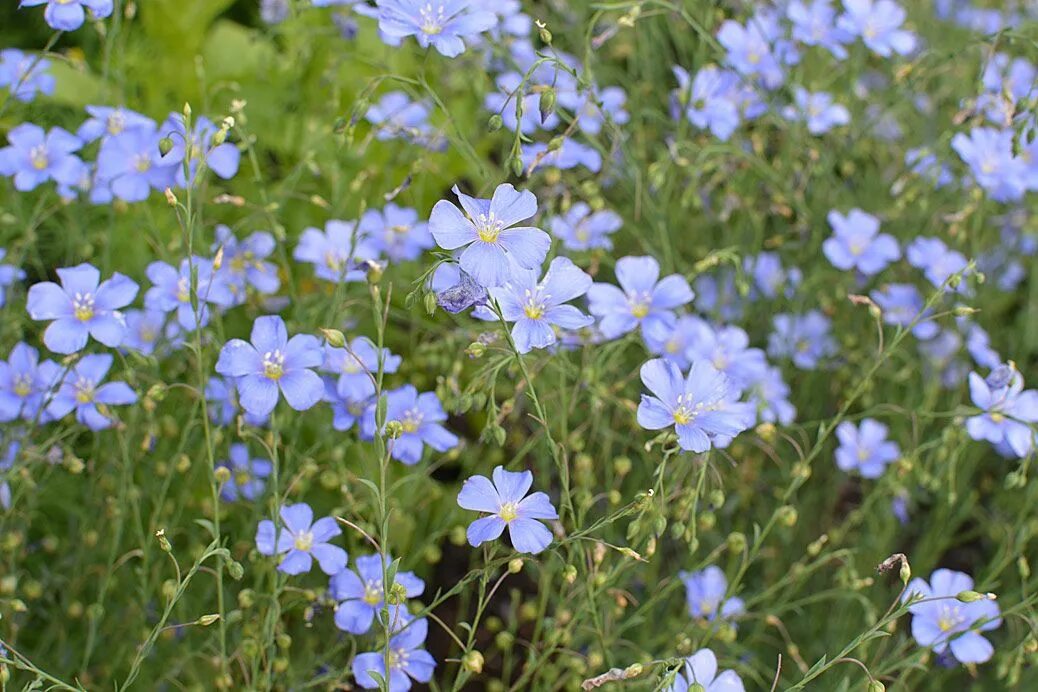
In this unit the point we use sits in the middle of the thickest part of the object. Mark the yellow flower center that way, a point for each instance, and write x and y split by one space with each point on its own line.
488 227
84 391
274 364
304 541
22 386
996 417
508 512
242 476
372 593
38 156
142 163
640 310
83 306
431 20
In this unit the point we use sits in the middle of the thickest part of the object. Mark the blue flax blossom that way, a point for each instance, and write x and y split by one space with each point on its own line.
642 298
25 75
817 110
396 116
398 233
703 407
769 396
300 540
69 15
505 499
356 366
247 474
989 154
196 146
708 100
937 261
337 253
488 232
1008 410
407 660
581 229
360 594
770 278
34 156
9 275
443 24
81 307
705 593
805 339
568 154
593 107
701 669
82 391
717 295
901 304
131 165
105 121
421 417
273 362
865 447
536 307
244 262
173 291
222 395
948 624
856 243
878 23
728 350
671 340
814 24
350 404
25 383
749 50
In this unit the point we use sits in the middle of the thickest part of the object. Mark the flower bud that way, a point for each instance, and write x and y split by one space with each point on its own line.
334 337
235 570
787 514
876 686
475 350
495 123
472 662
165 145
394 429
546 105
516 164
207 620
515 566
397 594
222 474
163 541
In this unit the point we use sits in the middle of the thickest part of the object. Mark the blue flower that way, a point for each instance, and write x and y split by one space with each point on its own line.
350 404
273 362
865 447
581 229
338 253
15 74
989 154
421 417
901 304
131 165
406 660
33 157
709 100
503 102
701 669
243 262
25 383
1008 410
488 232
817 110
173 291
69 15
770 278
642 299
856 243
716 294
506 500
878 23
705 593
9 275
440 23
769 396
300 540
592 108
803 338
942 622
357 365
81 307
222 159
937 261
398 117
814 24
703 407
360 595
82 391
247 475
728 350
105 121
397 231
749 51
672 339
568 154
537 307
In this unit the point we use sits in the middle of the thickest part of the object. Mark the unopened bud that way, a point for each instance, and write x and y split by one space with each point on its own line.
171 199
163 541
207 620
569 574
973 596
334 337
472 662
876 686
394 429
515 566
516 164
905 572
235 570
397 594
546 105
787 514
545 34
495 123
165 145
222 474
218 260
475 350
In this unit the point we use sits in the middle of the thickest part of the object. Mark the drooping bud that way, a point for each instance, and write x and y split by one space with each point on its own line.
546 105
334 337
165 145
495 123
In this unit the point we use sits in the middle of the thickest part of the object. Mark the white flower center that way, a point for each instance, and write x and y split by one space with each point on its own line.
431 20
83 306
274 364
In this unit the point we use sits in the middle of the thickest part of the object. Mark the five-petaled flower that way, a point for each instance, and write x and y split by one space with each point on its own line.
941 622
506 501
361 594
300 540
642 298
82 391
273 362
81 307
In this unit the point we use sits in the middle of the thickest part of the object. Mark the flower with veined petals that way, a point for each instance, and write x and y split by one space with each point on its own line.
361 593
506 501
300 540
942 622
